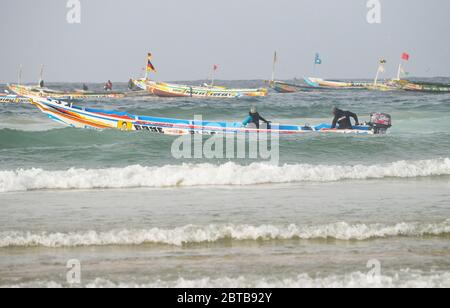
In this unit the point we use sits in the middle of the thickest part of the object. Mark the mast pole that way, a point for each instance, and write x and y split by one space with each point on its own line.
19 75
375 83
41 74
274 66
399 75
146 70
146 67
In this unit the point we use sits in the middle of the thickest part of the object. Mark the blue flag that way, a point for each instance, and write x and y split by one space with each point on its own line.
318 60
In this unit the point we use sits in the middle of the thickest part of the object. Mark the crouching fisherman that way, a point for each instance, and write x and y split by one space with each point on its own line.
255 118
342 118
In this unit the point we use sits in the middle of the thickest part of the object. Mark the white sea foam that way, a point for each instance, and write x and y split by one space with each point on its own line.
402 279
208 174
213 233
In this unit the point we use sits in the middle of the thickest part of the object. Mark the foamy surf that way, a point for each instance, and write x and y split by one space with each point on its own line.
402 279
212 175
191 234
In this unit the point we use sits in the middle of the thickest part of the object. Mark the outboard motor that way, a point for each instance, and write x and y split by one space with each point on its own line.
380 122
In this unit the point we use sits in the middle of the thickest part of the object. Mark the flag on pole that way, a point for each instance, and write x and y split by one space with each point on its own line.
215 67
318 60
405 56
381 68
150 67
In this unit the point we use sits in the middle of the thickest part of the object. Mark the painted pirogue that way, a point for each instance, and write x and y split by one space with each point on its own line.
80 117
322 83
285 87
426 87
163 89
49 93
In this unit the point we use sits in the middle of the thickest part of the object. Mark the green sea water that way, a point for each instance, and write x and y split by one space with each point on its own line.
135 216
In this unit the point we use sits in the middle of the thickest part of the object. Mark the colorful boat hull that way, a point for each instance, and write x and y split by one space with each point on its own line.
49 93
162 89
284 87
6 98
322 83
74 116
426 87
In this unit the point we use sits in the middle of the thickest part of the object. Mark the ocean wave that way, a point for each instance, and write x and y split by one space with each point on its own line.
208 174
402 279
192 234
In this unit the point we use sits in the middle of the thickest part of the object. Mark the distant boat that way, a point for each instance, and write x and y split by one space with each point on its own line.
281 86
163 89
50 93
322 83
286 87
426 87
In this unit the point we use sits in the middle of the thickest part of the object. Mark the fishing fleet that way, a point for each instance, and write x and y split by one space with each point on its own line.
396 84
60 105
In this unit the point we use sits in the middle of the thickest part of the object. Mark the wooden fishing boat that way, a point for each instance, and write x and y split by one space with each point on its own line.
80 117
285 87
281 86
322 83
28 91
426 87
384 87
162 89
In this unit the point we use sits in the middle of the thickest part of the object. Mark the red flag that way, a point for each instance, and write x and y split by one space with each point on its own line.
405 56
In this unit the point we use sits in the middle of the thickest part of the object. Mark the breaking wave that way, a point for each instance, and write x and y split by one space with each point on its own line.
192 234
403 279
208 174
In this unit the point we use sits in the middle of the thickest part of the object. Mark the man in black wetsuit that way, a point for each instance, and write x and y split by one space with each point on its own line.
255 118
343 119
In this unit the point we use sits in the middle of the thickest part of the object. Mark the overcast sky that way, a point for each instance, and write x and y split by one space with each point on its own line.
187 37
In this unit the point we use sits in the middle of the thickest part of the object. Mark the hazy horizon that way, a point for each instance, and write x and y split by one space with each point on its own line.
187 38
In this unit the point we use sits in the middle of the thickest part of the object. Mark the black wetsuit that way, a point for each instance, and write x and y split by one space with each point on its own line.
343 119
256 118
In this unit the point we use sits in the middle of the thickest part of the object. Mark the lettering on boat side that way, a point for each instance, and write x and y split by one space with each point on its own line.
152 129
74 13
374 14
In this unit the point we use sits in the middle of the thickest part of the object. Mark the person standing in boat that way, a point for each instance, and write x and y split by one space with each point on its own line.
109 86
255 118
342 118
131 85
